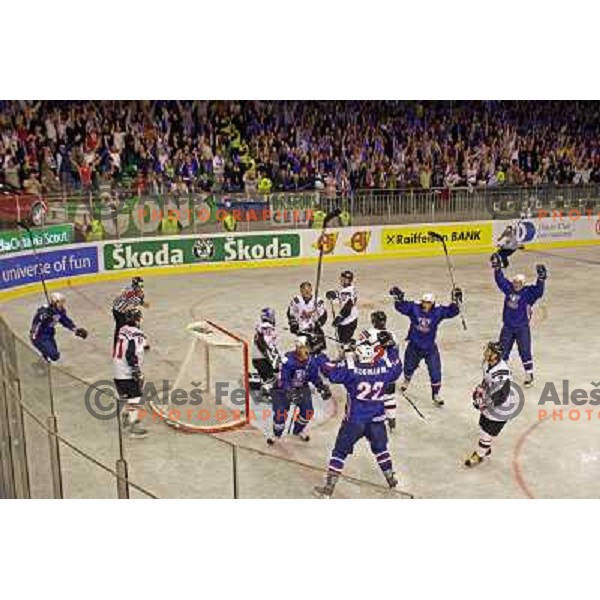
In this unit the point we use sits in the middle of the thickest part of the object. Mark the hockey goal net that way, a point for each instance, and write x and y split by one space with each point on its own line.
211 392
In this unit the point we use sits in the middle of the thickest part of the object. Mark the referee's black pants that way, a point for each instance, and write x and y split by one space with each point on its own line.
120 320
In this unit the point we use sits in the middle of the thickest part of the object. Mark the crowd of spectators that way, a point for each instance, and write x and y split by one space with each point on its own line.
258 147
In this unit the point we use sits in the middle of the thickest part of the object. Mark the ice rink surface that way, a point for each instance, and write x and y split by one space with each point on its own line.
549 458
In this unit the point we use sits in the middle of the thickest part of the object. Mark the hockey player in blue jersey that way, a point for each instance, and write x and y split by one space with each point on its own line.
299 368
365 373
43 327
425 317
518 302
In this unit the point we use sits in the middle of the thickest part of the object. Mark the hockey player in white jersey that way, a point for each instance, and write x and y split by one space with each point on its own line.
305 312
265 354
494 397
128 362
306 317
508 244
347 318
379 322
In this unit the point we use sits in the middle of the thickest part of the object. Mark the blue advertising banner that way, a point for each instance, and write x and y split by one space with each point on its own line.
69 262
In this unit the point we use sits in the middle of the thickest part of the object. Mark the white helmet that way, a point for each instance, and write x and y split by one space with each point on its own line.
57 297
428 297
301 341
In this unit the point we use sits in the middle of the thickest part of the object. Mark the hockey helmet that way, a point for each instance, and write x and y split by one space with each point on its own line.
57 298
306 290
268 315
518 281
347 277
137 283
378 319
133 317
493 349
302 348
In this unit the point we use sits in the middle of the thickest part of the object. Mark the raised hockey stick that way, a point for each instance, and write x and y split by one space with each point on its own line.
37 258
440 238
328 218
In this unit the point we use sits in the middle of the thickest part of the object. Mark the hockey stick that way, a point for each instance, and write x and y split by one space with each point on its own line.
329 217
327 337
292 417
412 403
440 238
37 258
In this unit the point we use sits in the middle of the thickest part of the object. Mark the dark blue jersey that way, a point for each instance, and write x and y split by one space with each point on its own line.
45 320
296 374
517 305
424 324
365 384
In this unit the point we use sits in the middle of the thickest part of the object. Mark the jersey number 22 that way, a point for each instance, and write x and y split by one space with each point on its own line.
369 391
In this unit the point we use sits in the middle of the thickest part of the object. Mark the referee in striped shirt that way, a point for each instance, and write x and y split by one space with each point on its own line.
130 298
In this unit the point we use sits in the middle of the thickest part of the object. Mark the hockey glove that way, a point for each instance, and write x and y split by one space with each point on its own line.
294 327
337 321
496 261
81 332
478 397
542 273
331 295
457 295
324 391
397 294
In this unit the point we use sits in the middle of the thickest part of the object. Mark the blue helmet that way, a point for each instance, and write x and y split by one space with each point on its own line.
268 314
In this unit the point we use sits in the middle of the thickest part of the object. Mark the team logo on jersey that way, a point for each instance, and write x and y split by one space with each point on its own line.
326 242
424 324
204 249
359 241
513 300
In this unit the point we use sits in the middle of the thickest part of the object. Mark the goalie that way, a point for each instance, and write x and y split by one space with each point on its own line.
43 327
265 355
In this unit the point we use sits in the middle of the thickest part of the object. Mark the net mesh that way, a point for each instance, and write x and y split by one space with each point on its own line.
210 392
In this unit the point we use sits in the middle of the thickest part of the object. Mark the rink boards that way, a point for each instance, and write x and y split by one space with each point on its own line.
20 272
